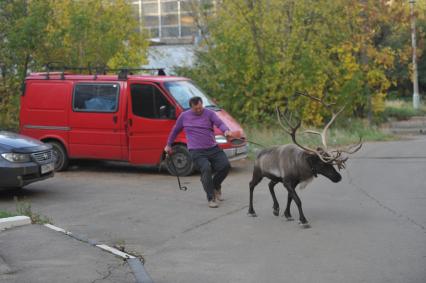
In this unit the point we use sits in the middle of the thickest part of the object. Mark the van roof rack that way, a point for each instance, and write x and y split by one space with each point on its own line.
124 72
53 68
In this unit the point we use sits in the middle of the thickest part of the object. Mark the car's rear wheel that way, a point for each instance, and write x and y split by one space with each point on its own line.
60 155
180 162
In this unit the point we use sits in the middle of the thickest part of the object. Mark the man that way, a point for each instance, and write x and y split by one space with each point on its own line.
208 157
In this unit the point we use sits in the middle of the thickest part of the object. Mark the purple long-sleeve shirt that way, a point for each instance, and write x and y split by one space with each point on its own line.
198 128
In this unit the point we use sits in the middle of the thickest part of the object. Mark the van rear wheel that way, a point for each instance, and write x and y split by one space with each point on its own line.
181 163
60 155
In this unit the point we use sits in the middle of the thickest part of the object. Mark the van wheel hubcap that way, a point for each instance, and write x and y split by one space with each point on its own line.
180 160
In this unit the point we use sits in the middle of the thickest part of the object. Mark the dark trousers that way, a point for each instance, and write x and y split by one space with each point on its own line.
214 167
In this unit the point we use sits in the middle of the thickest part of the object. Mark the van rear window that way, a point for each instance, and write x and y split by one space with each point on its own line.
95 97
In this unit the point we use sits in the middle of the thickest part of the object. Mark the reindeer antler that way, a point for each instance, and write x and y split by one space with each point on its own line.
350 149
333 157
323 134
321 153
293 129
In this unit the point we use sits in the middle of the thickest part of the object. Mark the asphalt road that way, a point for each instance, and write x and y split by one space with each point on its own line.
370 227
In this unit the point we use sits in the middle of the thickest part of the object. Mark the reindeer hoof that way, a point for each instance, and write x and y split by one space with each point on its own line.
276 212
289 218
304 225
252 214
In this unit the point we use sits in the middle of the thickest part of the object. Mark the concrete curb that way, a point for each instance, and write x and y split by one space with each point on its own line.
7 223
135 264
15 221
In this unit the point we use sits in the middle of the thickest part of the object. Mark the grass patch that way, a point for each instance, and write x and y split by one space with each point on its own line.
5 214
399 109
338 136
24 208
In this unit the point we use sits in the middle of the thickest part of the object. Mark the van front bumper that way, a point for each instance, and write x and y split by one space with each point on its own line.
21 174
236 153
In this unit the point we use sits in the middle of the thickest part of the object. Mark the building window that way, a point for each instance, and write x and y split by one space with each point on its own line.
168 18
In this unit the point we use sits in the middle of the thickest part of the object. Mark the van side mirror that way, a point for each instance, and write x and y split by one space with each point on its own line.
172 114
167 112
163 111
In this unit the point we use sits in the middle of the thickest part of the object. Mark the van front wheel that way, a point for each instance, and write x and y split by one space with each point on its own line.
180 162
60 155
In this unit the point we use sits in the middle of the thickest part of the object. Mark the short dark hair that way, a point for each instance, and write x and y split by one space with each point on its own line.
195 100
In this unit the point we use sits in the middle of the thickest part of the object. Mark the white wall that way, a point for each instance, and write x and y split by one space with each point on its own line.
169 56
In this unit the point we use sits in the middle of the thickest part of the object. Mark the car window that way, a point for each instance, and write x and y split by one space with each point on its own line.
182 91
149 102
96 97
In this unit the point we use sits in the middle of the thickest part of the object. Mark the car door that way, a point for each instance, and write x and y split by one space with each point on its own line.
151 116
96 129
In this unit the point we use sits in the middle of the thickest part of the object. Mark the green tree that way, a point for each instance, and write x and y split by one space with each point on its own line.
71 32
96 32
261 53
400 38
21 34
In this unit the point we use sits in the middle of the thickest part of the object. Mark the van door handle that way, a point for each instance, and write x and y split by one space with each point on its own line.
130 122
114 119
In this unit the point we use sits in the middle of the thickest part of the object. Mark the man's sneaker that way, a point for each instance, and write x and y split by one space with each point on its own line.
213 204
218 195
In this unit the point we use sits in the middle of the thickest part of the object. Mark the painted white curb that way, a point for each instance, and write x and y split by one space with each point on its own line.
53 227
135 264
104 247
115 251
10 222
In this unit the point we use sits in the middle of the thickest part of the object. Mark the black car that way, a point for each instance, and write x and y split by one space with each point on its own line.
24 160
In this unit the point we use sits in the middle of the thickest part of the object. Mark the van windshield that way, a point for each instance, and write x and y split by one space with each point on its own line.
182 91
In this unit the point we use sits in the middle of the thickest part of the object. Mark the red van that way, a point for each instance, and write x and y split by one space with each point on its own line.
115 117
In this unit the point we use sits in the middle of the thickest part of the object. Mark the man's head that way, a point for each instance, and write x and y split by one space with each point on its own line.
196 104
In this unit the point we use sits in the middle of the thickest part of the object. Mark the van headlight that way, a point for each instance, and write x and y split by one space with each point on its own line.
16 157
221 139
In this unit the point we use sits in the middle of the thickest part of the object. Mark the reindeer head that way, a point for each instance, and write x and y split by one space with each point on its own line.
326 155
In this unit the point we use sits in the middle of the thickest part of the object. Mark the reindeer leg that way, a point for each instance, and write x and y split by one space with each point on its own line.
287 213
276 207
291 189
257 177
302 220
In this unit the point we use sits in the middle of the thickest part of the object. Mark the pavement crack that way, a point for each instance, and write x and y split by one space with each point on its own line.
194 227
213 219
384 206
109 271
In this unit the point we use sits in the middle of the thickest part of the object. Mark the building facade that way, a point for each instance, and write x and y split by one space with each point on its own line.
169 21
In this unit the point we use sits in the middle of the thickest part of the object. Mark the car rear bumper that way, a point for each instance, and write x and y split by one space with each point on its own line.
236 153
13 176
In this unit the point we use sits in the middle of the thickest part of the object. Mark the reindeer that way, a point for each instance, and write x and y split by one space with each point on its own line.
294 164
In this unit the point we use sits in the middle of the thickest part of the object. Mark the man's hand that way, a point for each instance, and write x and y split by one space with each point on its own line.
228 134
168 150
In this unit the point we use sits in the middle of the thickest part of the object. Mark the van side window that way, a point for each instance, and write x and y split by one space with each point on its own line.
149 102
89 97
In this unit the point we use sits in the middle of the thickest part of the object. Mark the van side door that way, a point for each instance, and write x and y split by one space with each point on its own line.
96 129
151 116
